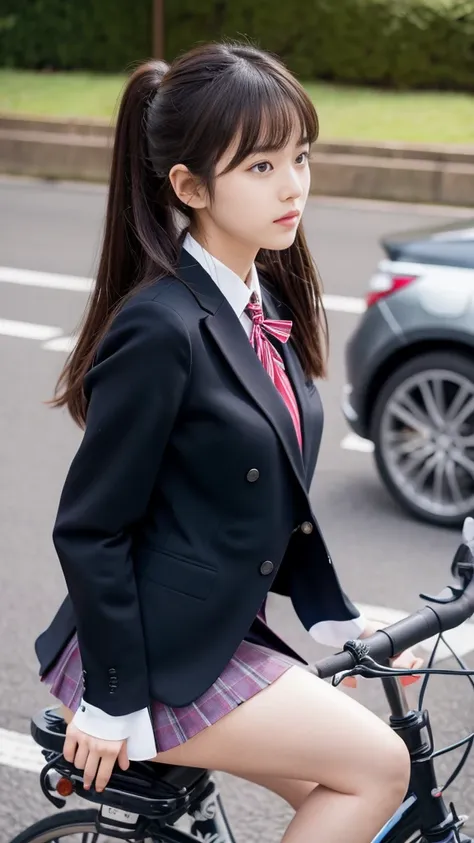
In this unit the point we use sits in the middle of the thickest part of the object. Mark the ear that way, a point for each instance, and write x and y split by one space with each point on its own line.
187 187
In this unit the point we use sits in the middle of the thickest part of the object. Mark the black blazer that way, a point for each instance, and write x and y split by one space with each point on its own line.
184 504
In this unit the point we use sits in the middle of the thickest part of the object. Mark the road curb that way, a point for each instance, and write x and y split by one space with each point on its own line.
81 150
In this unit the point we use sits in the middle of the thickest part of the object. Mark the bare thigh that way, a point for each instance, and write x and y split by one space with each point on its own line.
292 791
298 728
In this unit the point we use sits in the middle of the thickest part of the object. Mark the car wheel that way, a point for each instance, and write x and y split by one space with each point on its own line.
422 428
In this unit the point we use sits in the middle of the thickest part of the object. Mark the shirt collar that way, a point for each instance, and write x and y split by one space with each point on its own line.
236 291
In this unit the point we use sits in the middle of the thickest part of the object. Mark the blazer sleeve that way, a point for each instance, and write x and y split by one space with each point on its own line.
134 392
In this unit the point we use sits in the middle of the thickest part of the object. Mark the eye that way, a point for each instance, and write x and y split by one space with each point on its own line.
302 157
261 167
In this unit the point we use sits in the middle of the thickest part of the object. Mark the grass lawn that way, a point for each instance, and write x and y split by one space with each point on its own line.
344 112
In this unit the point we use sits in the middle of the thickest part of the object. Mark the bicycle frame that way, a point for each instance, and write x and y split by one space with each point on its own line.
423 810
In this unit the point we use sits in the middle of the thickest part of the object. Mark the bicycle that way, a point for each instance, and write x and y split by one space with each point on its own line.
147 800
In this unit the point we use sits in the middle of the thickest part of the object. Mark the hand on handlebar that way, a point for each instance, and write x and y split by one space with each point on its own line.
404 661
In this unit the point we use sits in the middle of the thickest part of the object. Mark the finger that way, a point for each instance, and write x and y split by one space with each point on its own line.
104 772
123 761
82 754
69 749
350 682
90 769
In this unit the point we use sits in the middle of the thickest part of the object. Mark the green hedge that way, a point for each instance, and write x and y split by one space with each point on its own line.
68 34
396 43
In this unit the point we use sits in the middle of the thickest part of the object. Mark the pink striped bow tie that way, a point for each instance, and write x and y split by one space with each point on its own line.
270 358
279 328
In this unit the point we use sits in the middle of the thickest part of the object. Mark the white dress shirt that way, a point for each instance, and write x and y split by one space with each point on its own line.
136 727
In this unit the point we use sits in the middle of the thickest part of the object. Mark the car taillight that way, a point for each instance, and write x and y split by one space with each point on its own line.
384 284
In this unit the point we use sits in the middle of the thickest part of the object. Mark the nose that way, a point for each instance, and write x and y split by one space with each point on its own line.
292 184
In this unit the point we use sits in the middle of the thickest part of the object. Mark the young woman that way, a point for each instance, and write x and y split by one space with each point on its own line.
187 500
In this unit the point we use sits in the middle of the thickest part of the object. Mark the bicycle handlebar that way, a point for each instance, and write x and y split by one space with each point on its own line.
426 622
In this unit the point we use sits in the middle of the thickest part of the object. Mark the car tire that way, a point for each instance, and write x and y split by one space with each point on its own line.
449 361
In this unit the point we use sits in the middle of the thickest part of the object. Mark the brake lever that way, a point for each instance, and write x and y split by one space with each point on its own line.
357 670
455 594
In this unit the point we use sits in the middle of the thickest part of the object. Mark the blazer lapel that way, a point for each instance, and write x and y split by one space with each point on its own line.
226 330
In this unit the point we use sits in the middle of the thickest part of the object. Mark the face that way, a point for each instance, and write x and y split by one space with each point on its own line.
260 202
257 205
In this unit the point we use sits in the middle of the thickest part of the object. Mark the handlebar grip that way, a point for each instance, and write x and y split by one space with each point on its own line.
388 642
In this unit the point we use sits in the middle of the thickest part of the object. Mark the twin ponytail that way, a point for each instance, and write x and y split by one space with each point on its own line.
140 240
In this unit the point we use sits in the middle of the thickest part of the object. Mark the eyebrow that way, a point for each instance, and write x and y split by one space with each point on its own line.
257 150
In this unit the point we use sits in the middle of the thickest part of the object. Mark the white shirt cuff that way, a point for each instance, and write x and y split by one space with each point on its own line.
135 727
336 633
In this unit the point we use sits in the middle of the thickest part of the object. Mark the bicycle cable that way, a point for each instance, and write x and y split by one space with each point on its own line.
469 739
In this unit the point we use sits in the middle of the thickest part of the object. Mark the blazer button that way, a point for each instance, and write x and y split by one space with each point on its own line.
266 568
306 528
253 475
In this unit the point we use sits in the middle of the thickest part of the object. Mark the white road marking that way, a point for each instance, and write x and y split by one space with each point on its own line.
28 330
52 280
344 304
53 338
65 344
353 442
20 751
55 281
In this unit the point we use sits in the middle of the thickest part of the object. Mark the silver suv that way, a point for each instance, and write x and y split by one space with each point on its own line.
410 372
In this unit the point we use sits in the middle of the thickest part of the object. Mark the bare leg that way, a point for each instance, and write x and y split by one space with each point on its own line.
303 730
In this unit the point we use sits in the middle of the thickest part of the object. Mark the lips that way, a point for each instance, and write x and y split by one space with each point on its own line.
291 215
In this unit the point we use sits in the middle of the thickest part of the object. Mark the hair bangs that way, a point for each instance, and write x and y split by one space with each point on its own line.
266 115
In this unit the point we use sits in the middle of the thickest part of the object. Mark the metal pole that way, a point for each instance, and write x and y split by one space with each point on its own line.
158 26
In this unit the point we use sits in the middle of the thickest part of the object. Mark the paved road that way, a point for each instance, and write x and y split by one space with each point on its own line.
384 558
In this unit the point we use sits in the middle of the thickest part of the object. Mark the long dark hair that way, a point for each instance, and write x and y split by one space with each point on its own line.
190 113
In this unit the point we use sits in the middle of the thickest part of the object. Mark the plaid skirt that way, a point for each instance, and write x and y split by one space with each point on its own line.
251 669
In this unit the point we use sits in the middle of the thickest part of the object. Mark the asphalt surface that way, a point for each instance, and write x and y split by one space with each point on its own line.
384 558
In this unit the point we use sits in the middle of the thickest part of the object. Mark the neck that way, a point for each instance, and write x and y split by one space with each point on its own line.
236 256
